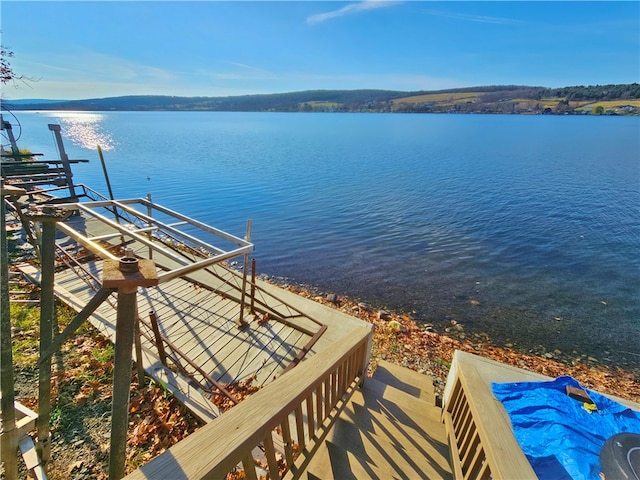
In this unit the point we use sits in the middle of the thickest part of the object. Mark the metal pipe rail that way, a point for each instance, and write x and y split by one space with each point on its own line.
308 398
218 254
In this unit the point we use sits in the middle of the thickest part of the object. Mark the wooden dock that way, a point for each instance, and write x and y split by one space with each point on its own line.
207 327
200 325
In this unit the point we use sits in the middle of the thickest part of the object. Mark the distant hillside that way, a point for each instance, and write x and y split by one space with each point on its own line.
30 101
598 99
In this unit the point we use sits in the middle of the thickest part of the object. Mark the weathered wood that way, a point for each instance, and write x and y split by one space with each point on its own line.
310 416
8 439
66 163
47 312
121 382
29 453
300 427
288 441
126 280
187 320
84 314
146 276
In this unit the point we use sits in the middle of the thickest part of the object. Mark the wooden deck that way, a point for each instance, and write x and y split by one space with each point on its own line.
198 323
198 317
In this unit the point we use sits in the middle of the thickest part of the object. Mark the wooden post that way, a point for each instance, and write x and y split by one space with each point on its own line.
48 216
9 445
47 311
4 125
126 275
66 165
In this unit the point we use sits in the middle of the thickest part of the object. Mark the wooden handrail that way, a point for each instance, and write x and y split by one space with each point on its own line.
218 447
481 440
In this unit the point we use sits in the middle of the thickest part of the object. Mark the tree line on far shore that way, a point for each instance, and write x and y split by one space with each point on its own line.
486 99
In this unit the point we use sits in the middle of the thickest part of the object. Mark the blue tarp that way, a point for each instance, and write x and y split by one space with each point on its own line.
561 439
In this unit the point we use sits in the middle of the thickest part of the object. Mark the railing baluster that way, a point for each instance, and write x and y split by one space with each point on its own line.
476 463
353 365
310 414
300 427
249 467
465 421
469 432
485 471
288 445
466 456
332 391
319 409
327 396
270 453
456 400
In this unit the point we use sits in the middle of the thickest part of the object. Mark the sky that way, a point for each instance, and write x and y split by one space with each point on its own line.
96 49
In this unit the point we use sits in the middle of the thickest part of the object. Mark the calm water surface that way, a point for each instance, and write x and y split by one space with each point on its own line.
524 227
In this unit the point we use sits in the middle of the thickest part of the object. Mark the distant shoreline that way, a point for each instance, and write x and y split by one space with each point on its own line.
621 99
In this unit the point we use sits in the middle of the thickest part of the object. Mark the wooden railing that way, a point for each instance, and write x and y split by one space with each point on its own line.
481 440
277 429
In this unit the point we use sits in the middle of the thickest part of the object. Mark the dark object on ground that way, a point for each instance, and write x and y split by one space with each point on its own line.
620 457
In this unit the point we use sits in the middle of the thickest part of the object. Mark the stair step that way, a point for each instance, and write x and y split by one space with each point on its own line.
415 420
405 379
334 462
384 433
378 391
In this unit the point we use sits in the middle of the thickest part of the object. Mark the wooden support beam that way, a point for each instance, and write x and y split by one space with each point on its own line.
100 296
9 445
126 275
48 216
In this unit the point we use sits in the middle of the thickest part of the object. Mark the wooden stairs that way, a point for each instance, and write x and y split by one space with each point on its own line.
390 429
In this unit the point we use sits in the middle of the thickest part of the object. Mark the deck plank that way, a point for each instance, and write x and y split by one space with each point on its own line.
201 325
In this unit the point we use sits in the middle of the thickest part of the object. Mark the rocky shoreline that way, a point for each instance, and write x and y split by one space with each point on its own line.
398 338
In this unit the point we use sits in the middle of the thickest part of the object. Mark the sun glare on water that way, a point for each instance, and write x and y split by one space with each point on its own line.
85 130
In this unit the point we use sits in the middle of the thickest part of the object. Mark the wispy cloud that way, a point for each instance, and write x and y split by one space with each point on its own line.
349 10
85 65
473 18
250 68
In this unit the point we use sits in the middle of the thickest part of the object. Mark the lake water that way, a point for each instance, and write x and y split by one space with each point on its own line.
523 227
